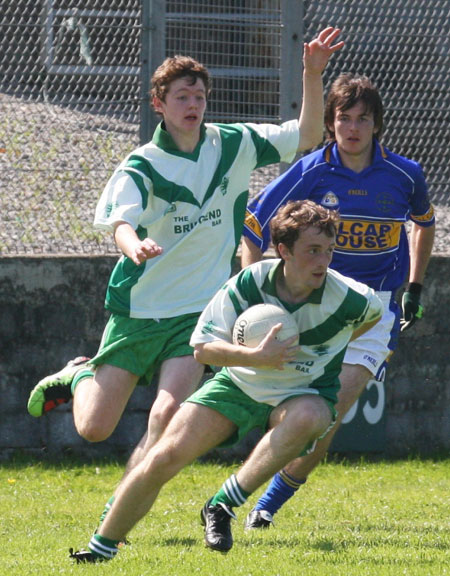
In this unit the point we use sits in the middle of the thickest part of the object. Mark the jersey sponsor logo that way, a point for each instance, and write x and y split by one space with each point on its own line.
367 236
252 223
330 200
182 224
305 367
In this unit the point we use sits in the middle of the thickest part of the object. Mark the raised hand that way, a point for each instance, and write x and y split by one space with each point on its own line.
317 52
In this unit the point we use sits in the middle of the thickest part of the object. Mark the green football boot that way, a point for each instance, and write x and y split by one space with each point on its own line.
55 389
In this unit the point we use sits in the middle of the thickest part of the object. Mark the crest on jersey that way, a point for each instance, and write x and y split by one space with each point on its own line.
330 200
385 201
224 185
321 349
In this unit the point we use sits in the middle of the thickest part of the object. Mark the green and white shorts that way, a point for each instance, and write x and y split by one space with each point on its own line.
140 346
221 394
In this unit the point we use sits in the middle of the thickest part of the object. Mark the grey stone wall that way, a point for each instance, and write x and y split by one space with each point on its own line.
418 380
51 310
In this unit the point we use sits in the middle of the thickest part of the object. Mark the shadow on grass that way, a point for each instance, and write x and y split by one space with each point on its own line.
183 542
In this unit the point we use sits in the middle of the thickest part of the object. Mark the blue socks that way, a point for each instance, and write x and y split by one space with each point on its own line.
281 488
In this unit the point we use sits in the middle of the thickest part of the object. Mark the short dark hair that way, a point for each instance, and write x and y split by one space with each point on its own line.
346 91
178 67
294 216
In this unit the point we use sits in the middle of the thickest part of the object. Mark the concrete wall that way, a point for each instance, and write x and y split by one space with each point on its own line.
51 310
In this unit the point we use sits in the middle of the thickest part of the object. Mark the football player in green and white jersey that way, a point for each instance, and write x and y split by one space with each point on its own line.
176 208
286 390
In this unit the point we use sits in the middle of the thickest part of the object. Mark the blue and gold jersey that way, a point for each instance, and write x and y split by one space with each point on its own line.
374 205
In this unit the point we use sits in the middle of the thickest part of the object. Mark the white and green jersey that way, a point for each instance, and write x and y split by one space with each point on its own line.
325 323
193 206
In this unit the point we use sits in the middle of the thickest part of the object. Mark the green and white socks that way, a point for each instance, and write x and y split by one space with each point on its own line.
103 548
231 494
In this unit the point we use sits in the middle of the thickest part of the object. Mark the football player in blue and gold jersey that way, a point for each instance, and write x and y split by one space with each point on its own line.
376 193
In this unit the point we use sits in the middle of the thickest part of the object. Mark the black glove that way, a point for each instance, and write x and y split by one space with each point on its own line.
412 309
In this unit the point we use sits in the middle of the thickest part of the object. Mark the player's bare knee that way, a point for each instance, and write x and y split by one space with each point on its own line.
161 414
163 461
93 430
313 419
315 425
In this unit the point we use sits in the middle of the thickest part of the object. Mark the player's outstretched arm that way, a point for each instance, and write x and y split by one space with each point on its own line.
315 58
130 244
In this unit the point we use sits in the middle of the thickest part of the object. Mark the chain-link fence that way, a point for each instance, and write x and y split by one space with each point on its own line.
74 78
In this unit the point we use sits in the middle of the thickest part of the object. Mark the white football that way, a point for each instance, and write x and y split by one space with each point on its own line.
254 324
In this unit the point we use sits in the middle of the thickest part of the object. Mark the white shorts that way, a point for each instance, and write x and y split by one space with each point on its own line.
373 348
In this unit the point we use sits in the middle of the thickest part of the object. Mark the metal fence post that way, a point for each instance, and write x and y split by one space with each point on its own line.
153 40
291 59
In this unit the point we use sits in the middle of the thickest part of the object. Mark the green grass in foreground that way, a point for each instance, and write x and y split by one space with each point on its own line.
359 518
